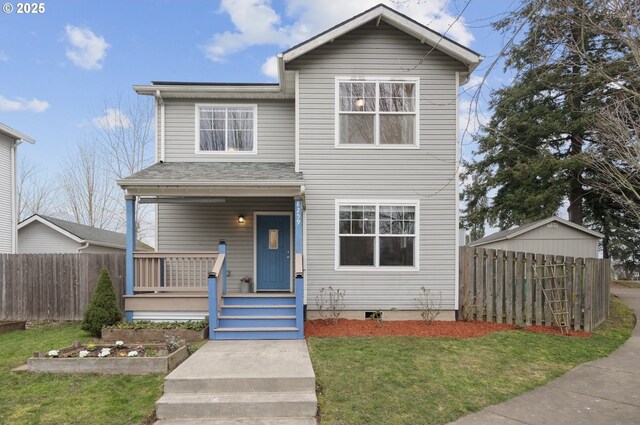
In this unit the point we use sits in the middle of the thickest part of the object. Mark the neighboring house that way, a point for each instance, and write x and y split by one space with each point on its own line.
40 234
349 162
553 235
9 141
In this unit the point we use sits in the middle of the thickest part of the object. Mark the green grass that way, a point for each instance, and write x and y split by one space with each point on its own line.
411 380
628 283
33 398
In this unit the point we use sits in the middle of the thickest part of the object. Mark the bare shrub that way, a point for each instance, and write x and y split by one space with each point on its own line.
428 305
469 309
330 303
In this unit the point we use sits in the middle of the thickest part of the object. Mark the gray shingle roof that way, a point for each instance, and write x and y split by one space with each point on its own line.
216 173
92 234
507 234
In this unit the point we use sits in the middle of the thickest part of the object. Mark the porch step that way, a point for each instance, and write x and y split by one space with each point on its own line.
259 299
239 421
257 321
240 333
255 384
241 383
258 310
236 405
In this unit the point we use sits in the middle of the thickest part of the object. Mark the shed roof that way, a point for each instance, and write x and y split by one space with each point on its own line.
512 233
82 233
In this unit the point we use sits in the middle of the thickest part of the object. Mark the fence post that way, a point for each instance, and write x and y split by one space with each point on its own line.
589 278
130 247
519 287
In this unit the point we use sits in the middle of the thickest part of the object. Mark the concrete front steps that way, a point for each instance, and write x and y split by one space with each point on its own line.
257 316
241 383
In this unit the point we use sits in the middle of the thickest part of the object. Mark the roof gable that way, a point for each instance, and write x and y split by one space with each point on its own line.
395 19
81 233
512 233
15 134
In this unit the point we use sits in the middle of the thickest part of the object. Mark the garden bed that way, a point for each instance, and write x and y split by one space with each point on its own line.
190 331
445 329
153 335
10 326
109 359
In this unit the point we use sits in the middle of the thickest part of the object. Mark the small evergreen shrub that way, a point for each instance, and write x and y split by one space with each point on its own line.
103 309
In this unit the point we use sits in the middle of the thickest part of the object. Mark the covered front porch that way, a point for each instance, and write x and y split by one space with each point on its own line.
214 231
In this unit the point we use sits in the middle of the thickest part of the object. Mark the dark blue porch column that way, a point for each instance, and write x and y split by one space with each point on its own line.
130 247
299 268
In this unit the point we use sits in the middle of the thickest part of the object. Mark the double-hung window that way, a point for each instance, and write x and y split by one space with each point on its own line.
380 113
226 128
377 234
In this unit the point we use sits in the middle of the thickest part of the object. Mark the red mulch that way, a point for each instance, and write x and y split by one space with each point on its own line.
448 329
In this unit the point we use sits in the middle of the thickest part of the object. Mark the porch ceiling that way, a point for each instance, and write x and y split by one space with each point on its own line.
215 179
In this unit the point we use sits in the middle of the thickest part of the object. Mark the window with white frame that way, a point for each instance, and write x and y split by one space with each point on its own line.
377 234
226 128
377 112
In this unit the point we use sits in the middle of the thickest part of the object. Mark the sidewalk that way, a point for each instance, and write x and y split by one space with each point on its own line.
604 391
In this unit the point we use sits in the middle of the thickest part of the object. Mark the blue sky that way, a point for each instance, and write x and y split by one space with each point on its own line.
58 68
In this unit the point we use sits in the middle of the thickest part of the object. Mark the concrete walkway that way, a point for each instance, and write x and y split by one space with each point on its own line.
604 391
241 383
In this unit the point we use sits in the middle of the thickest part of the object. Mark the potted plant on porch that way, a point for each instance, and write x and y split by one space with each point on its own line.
246 284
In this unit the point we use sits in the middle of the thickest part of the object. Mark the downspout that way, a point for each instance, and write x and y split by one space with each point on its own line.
160 100
14 205
86 245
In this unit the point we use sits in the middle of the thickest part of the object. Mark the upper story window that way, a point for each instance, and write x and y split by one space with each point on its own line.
381 113
226 128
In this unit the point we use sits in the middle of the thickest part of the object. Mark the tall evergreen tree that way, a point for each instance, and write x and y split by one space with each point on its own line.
530 156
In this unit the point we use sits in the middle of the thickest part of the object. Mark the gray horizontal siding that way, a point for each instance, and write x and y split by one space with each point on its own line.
6 204
200 227
37 238
426 174
560 240
275 132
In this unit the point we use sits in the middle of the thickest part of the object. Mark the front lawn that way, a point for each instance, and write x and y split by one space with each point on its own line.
30 398
417 380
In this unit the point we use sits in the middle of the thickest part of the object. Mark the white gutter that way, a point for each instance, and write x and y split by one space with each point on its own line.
458 145
86 245
162 123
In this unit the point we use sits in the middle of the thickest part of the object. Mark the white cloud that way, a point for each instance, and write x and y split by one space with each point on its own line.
86 50
257 23
270 67
20 104
112 119
3 56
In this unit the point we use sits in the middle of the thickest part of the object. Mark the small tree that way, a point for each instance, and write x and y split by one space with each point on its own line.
102 310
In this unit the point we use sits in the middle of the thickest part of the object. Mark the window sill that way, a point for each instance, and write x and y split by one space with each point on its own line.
375 269
226 153
374 147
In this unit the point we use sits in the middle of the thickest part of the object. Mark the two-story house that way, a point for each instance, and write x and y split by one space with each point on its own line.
9 141
342 174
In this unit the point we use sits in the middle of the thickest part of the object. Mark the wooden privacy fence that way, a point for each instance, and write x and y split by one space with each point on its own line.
500 286
54 286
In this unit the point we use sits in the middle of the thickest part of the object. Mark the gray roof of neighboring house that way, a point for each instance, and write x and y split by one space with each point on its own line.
92 234
216 173
15 134
511 233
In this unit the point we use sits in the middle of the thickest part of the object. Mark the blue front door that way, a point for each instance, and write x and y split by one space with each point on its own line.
273 256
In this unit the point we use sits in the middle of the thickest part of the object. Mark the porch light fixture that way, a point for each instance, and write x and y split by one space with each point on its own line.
240 219
360 103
